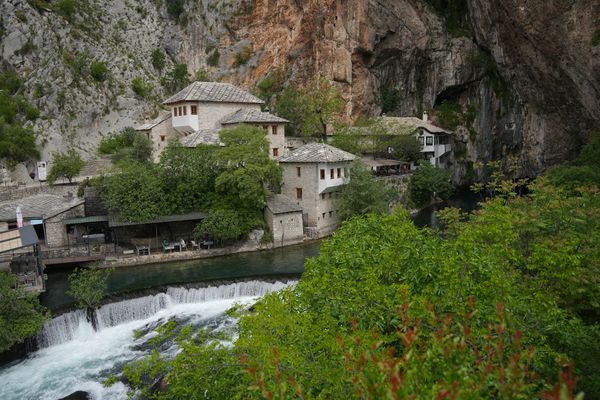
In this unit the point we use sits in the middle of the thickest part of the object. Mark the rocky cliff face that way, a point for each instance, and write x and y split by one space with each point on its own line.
516 80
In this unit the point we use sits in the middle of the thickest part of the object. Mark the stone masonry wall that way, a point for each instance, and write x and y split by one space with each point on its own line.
56 232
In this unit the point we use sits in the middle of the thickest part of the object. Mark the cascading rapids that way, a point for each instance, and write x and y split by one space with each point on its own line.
74 324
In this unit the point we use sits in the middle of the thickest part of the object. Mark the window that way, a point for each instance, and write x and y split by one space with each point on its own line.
322 196
184 110
330 214
299 171
322 174
299 193
421 140
429 140
274 129
339 172
323 215
331 173
330 194
275 152
194 110
175 111
162 138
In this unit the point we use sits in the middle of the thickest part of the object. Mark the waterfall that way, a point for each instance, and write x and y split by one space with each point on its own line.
74 325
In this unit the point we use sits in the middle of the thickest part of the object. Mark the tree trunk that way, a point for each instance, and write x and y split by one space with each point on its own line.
90 314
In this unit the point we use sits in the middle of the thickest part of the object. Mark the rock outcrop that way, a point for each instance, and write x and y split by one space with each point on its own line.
521 80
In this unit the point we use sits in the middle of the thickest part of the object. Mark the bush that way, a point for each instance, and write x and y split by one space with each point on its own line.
158 59
428 183
99 71
66 8
213 59
389 98
127 145
175 8
140 87
596 38
244 56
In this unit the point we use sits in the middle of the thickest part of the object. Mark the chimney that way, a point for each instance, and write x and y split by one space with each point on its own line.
425 116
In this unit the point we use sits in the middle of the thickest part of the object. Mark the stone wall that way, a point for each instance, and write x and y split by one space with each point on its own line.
286 228
308 182
55 229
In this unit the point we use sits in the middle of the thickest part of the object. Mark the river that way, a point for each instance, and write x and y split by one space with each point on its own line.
72 356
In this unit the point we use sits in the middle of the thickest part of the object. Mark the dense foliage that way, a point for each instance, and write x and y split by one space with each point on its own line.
17 139
429 183
126 146
363 194
229 182
65 165
21 315
310 109
490 308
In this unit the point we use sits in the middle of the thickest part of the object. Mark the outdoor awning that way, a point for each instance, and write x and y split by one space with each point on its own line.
86 220
17 238
114 222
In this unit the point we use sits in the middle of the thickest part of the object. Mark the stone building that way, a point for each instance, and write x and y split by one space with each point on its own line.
284 218
47 214
312 176
199 111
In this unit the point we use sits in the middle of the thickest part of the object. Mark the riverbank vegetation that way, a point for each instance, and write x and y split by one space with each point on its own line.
21 315
233 179
498 304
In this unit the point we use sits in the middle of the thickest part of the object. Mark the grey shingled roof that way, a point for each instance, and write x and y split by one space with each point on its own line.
251 116
202 136
40 206
414 122
280 204
317 152
149 125
216 92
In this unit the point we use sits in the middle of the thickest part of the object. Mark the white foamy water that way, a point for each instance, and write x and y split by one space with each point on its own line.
74 354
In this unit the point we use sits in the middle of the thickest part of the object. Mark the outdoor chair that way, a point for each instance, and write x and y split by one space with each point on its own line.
194 245
167 247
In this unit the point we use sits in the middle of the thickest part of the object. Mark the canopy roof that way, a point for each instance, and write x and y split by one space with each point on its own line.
18 238
113 220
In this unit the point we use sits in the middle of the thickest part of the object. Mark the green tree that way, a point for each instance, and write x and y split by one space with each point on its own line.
88 286
429 182
177 79
245 170
363 194
225 224
188 176
65 165
125 146
17 144
134 192
158 59
405 148
311 109
21 315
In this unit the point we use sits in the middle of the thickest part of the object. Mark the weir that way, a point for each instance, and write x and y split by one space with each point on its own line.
74 325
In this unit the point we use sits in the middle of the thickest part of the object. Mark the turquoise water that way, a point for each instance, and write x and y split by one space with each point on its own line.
287 261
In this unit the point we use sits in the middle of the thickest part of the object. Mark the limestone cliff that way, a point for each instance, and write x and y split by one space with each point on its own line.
516 79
